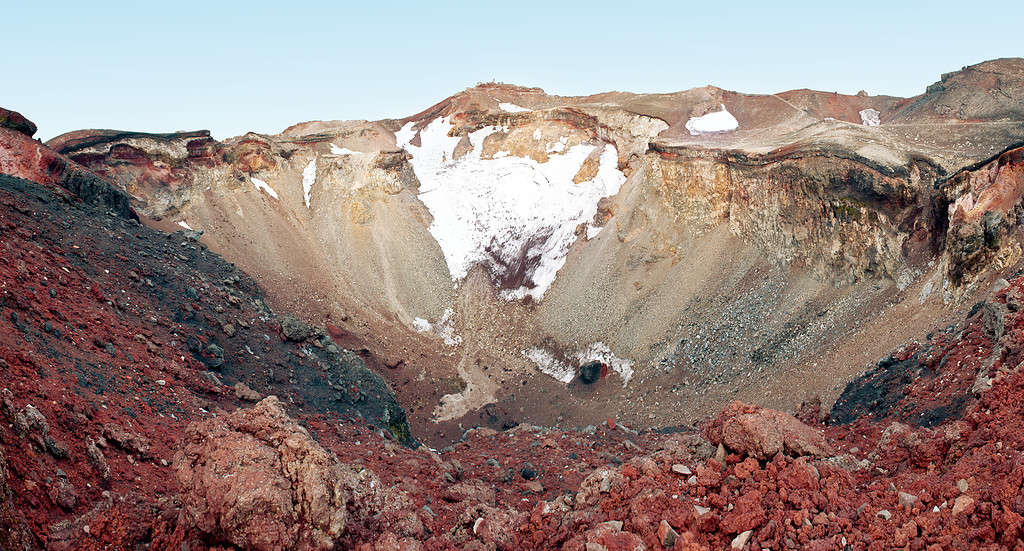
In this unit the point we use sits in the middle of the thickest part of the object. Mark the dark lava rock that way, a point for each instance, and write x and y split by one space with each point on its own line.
528 472
591 372
297 330
214 356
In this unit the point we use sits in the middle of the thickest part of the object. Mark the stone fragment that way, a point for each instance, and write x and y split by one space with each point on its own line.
244 392
667 535
681 469
739 541
962 504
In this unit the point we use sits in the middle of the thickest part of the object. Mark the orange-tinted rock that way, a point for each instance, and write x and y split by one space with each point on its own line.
256 479
762 433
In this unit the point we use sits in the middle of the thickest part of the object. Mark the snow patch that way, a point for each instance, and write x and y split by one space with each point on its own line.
549 365
512 214
719 121
565 372
870 117
537 134
443 328
343 151
185 225
512 108
308 178
558 146
261 185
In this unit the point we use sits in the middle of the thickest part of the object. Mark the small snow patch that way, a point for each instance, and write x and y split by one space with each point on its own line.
537 134
343 151
870 117
558 146
549 365
308 177
443 328
512 108
185 225
261 185
719 121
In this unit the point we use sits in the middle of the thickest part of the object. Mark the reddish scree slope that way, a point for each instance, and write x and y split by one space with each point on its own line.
105 329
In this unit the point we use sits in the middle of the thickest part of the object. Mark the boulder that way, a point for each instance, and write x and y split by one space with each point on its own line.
257 480
297 330
762 433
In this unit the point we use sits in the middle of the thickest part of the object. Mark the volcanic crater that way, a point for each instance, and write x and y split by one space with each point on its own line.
518 320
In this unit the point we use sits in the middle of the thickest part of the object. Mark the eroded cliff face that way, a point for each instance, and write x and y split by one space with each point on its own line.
843 219
491 245
984 208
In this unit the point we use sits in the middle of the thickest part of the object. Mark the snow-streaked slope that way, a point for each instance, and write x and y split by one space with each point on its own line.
512 214
719 121
308 177
261 185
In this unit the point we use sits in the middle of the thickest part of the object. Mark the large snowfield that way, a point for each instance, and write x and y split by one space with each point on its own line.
496 212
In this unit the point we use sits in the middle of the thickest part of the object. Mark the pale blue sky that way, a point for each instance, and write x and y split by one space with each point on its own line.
232 67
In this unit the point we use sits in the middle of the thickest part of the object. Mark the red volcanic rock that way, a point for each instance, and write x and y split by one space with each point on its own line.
257 480
747 514
13 534
17 122
762 433
23 157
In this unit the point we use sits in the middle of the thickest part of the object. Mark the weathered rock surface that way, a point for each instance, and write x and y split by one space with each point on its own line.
17 122
762 433
14 535
258 480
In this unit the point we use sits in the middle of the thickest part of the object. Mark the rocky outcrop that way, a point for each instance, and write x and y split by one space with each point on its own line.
839 215
985 216
258 480
17 122
988 91
22 157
